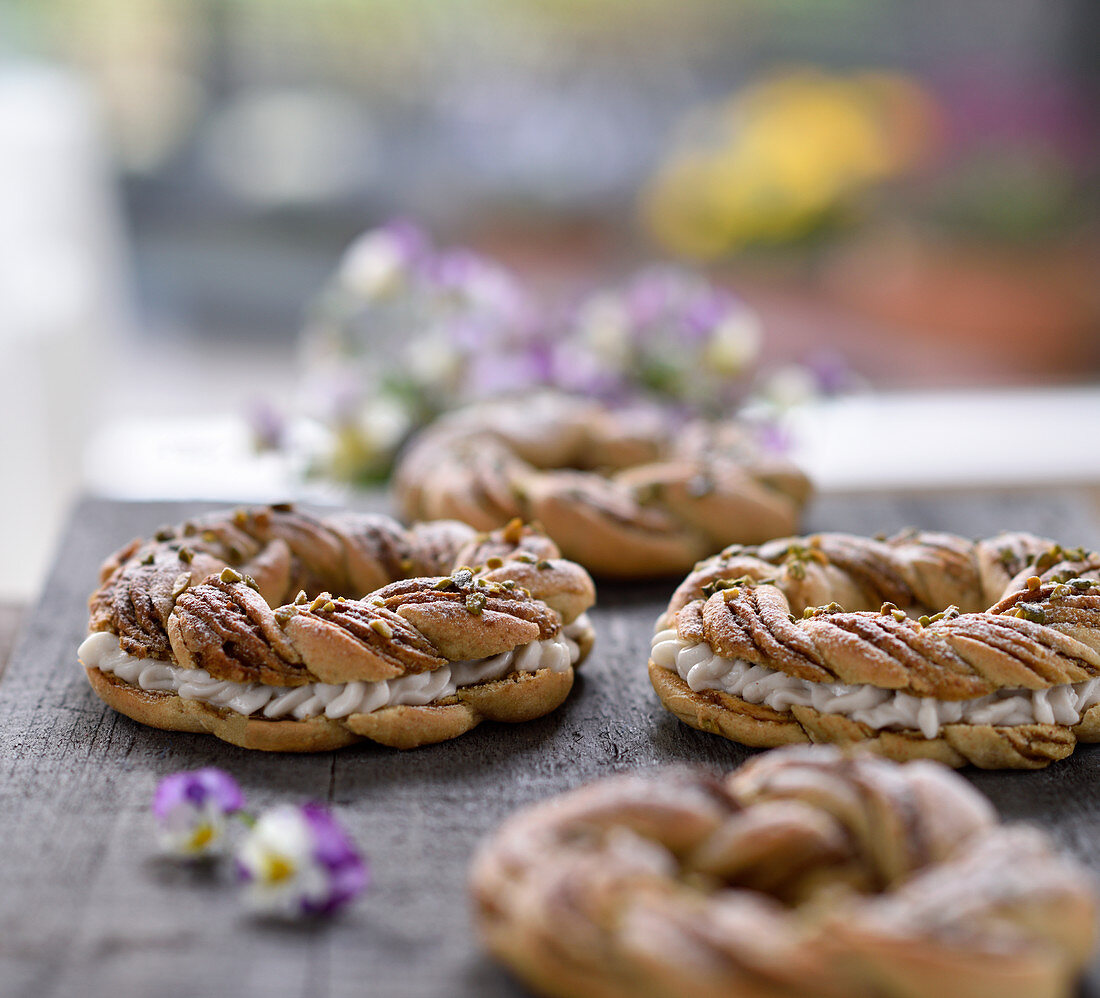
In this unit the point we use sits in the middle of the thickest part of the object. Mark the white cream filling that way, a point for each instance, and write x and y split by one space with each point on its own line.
335 700
701 669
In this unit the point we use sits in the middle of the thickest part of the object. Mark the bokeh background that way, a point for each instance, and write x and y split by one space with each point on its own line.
910 185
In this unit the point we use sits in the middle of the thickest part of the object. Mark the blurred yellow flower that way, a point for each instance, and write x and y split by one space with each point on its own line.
781 156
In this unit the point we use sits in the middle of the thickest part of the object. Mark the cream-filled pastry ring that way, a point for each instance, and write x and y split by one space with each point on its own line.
198 629
623 493
779 644
808 871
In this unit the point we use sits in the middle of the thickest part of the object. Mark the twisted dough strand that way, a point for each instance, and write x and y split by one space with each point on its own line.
805 872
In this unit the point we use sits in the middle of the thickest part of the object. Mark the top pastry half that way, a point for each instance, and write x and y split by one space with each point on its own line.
929 614
277 596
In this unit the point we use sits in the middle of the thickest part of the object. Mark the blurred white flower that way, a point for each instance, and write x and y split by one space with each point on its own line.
384 422
373 266
433 359
604 326
734 343
298 861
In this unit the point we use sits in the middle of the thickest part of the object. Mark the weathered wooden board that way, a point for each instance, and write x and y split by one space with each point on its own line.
85 908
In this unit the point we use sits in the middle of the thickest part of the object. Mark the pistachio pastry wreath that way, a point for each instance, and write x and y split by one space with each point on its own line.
199 629
806 872
623 493
921 645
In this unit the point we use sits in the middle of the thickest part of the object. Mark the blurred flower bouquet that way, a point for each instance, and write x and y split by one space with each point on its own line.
406 331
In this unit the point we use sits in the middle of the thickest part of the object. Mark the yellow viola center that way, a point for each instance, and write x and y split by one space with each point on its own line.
277 868
201 837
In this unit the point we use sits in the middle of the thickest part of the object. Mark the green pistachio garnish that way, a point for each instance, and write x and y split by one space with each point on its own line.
382 628
1033 613
377 601
494 562
164 534
282 507
462 577
186 555
475 603
148 559
284 613
1034 582
544 564
240 517
924 620
442 585
318 603
183 580
509 584
301 598
229 575
527 559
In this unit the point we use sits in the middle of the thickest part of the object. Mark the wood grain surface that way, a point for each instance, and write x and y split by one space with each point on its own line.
86 909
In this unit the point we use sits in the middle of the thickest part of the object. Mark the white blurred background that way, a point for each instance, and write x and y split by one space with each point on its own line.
911 186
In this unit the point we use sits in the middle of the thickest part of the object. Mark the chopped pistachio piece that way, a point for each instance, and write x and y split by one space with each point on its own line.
382 628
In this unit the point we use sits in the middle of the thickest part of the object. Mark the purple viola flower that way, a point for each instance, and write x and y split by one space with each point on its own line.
297 861
268 425
191 809
832 374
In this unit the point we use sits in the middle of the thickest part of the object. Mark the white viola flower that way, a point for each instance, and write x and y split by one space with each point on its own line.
605 327
433 359
298 861
384 422
734 343
192 809
380 261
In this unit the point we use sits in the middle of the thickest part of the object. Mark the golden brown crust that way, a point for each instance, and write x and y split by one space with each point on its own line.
225 624
515 698
627 498
807 870
750 604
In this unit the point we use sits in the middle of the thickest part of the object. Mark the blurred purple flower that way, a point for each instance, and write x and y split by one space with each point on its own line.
831 372
268 425
297 861
191 810
773 438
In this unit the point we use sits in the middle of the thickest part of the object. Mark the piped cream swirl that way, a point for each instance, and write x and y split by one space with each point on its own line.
699 667
335 700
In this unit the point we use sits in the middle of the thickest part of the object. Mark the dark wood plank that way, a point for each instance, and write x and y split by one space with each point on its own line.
85 909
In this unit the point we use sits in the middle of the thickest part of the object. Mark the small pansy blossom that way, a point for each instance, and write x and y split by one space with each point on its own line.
296 860
191 809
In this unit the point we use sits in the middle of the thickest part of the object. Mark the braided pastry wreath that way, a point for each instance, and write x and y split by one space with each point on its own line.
804 872
620 492
198 629
808 639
